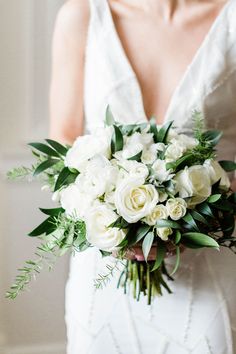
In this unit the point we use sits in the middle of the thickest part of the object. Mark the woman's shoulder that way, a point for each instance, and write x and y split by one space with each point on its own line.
73 17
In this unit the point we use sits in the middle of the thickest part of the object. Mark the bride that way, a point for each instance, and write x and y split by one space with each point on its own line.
148 58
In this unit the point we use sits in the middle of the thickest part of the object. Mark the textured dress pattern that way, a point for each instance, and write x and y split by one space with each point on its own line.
200 316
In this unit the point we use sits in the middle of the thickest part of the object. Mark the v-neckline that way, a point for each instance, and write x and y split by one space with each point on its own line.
183 78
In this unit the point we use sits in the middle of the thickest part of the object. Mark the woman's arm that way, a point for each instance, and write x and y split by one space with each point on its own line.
66 91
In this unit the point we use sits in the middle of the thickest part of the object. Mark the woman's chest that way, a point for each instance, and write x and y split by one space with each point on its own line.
160 55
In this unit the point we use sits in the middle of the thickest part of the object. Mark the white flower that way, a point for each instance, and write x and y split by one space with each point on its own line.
98 232
134 144
176 208
149 154
174 151
162 196
75 202
193 182
159 212
132 168
160 171
164 232
134 200
178 146
187 141
217 173
87 146
98 177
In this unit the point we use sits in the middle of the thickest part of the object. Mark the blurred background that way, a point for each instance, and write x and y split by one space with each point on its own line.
34 322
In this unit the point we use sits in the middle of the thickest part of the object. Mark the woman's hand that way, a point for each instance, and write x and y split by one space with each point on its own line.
233 185
136 253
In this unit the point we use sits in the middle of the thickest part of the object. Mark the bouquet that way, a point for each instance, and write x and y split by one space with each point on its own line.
124 187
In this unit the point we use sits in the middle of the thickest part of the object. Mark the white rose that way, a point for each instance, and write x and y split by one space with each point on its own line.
134 200
133 169
160 171
193 182
159 212
217 173
176 208
164 232
87 146
75 203
174 151
98 232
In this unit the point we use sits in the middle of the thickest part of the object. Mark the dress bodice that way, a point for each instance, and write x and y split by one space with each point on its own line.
208 84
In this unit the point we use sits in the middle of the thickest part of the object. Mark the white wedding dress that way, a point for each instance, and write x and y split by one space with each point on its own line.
200 316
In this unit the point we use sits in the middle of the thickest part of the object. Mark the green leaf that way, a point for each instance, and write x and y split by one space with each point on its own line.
228 166
163 132
200 240
117 140
178 237
52 212
147 244
45 165
167 223
153 129
205 209
182 160
139 234
65 177
44 149
136 157
105 253
176 262
161 252
212 136
223 205
120 223
61 149
109 117
199 217
47 226
214 198
190 221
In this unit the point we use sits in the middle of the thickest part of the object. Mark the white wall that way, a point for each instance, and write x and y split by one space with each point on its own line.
34 323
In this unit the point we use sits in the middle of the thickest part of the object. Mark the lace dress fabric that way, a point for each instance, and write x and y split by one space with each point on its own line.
200 316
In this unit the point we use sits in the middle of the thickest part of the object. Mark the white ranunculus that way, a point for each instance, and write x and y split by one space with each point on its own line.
160 171
98 232
174 151
217 173
164 232
176 208
130 168
98 177
194 183
159 212
75 202
87 146
134 200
